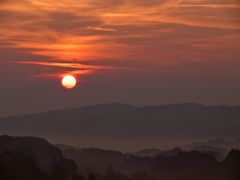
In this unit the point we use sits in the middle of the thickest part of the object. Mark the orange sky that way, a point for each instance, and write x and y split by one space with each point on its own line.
157 33
132 51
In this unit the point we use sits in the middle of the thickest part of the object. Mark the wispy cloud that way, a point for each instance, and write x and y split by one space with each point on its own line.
154 32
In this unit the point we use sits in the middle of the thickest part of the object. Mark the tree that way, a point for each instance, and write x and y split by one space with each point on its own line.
91 177
77 177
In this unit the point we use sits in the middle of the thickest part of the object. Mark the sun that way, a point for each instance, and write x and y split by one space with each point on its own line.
69 81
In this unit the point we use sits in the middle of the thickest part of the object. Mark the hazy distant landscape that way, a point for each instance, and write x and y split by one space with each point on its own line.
34 158
123 142
133 128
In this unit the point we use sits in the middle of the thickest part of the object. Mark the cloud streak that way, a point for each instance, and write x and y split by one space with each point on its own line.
156 32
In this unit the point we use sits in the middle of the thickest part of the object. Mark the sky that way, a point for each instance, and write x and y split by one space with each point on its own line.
130 51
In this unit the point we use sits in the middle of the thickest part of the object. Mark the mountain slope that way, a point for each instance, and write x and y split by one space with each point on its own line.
131 127
42 152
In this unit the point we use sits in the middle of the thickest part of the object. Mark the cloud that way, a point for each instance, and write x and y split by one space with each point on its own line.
135 34
212 2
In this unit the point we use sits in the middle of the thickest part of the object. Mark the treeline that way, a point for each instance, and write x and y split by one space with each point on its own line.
184 166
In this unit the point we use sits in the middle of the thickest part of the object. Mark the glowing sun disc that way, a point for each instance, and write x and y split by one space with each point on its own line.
69 81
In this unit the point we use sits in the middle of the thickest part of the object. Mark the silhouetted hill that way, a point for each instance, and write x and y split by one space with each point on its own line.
39 149
132 127
97 159
219 147
148 152
28 158
64 147
185 165
19 160
219 144
157 152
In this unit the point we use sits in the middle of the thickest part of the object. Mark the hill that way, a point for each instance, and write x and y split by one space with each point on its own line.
131 127
21 157
32 158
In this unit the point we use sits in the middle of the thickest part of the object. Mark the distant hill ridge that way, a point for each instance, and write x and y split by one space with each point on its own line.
132 127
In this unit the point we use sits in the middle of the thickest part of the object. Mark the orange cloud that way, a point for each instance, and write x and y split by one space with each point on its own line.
138 33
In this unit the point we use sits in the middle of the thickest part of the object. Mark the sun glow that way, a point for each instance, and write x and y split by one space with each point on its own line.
69 81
